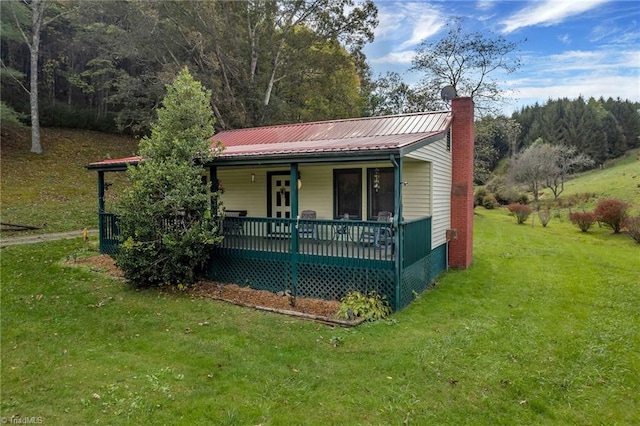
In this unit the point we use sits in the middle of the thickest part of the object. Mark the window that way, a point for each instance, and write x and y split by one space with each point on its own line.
347 192
380 191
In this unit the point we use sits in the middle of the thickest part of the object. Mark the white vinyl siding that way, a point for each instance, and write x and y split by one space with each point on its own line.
316 192
416 195
439 156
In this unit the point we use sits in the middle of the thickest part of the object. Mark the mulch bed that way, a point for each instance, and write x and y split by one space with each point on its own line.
324 310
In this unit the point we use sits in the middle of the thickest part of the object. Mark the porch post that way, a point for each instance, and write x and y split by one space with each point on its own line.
100 191
213 187
294 190
398 238
294 234
100 207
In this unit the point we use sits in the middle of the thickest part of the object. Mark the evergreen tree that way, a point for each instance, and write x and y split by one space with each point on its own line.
165 217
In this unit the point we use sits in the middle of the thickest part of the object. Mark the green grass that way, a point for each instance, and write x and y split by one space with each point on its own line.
54 188
619 179
542 329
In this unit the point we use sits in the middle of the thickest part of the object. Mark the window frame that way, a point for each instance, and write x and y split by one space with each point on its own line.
336 177
371 215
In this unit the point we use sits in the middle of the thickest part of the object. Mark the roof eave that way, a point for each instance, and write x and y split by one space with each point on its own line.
112 167
313 157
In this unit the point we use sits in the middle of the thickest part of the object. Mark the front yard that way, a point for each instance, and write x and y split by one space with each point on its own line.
542 329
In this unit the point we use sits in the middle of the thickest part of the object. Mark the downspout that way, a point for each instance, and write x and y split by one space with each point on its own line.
398 237
294 231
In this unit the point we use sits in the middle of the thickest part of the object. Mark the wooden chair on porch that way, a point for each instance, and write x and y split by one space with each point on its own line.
307 229
340 231
233 226
378 236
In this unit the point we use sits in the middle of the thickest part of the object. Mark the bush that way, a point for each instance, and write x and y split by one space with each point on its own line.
489 202
520 211
479 196
584 220
612 212
632 225
9 117
371 306
505 194
165 217
545 216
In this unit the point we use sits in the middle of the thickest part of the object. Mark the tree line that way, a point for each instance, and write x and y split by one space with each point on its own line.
598 129
105 64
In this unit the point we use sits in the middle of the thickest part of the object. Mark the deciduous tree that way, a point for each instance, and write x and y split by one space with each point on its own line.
468 61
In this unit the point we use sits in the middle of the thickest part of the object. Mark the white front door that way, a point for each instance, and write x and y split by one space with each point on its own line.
281 199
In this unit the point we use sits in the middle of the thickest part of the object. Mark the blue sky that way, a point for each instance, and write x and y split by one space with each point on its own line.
572 48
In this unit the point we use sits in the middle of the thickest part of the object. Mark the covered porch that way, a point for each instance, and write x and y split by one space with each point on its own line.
321 209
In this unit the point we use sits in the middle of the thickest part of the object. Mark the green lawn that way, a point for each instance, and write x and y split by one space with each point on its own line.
55 188
619 179
542 329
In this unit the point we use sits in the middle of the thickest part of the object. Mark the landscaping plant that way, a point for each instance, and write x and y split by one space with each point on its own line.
584 220
371 306
612 212
545 216
520 211
165 217
632 225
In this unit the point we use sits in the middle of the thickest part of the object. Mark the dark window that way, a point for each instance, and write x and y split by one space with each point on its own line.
347 192
380 188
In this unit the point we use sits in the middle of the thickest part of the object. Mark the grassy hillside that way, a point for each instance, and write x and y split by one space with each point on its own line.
55 188
619 179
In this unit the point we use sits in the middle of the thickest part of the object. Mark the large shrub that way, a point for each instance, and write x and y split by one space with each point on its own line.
520 211
165 216
612 212
632 225
545 216
584 220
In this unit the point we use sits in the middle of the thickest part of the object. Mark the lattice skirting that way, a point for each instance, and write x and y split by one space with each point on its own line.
330 282
259 274
418 276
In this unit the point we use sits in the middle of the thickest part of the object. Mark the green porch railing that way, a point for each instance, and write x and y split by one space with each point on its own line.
416 240
364 240
109 233
332 258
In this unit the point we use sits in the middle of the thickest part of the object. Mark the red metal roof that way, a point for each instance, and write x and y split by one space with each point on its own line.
358 134
339 136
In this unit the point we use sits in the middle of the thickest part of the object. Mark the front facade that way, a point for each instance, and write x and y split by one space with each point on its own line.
324 208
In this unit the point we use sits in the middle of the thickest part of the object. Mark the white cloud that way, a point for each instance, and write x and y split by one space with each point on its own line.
613 86
547 13
592 61
423 29
395 58
485 4
411 22
565 39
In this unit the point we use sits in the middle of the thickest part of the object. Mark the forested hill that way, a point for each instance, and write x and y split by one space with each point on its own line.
602 129
106 63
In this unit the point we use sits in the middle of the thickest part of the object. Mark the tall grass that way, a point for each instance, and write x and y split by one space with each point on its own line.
542 329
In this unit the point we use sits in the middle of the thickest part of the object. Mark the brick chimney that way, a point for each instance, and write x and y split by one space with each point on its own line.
462 141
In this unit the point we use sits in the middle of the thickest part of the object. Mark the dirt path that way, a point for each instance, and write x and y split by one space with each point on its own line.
38 238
